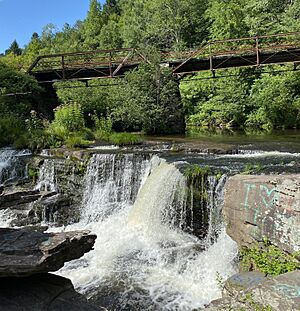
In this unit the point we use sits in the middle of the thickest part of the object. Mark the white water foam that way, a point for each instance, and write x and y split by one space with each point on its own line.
138 245
6 217
11 168
47 176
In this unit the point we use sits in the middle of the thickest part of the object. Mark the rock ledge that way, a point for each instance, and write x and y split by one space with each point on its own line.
24 252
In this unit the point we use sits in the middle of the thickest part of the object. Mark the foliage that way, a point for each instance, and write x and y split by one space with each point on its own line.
12 82
252 169
123 139
268 259
14 49
251 304
194 171
149 100
76 141
11 128
103 127
68 118
196 179
218 103
33 174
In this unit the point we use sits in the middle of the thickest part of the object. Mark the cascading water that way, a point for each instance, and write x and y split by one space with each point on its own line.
112 183
47 176
143 260
12 166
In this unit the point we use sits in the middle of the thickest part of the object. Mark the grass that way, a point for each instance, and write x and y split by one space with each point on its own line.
123 139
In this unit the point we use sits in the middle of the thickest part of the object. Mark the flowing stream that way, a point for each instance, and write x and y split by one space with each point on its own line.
143 257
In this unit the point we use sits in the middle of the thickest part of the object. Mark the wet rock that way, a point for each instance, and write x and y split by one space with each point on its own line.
18 198
25 252
264 206
41 292
58 209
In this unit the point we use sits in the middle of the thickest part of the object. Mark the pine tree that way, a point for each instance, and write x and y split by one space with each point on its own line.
14 49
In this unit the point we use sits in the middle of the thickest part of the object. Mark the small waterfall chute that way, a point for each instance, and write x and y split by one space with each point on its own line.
12 166
47 177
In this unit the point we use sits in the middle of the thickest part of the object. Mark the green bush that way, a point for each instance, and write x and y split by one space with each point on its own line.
122 139
103 127
258 119
76 141
68 118
11 128
268 259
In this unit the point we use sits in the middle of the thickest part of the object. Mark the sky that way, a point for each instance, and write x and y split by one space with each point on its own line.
19 19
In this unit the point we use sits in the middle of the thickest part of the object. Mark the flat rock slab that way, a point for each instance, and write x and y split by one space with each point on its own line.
243 281
24 252
280 293
41 292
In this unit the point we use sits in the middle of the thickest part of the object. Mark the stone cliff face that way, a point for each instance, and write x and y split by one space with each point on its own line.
264 206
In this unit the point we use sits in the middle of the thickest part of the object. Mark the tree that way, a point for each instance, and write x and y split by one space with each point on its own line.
276 99
149 100
14 49
92 25
110 7
264 17
226 18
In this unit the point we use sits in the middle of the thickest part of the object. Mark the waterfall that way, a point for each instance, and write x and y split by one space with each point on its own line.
143 259
47 176
12 166
112 183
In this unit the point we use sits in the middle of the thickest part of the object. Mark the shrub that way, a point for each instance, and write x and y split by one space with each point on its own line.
122 139
103 127
268 259
68 118
76 141
11 128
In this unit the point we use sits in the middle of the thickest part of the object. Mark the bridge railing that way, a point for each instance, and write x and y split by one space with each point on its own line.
239 47
111 60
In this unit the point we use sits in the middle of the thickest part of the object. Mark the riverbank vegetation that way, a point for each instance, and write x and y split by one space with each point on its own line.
150 99
268 259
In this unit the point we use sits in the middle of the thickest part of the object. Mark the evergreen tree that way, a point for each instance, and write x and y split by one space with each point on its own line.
14 49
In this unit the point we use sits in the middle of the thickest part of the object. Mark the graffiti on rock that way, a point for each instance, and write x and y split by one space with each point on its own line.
267 196
259 198
290 291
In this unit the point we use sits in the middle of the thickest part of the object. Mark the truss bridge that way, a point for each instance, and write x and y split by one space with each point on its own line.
211 56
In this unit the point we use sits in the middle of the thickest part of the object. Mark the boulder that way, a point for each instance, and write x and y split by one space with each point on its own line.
263 206
25 252
242 281
277 293
41 292
280 293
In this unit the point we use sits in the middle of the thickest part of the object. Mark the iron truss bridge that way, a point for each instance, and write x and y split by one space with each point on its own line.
215 55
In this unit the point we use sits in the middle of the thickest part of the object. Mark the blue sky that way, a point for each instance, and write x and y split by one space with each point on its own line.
19 19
